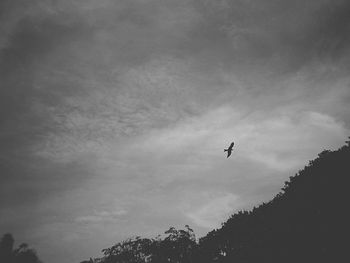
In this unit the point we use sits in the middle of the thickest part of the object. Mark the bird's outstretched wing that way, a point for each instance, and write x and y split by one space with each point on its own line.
229 149
231 145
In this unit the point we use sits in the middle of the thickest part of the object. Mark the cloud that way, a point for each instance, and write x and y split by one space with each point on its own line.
279 141
215 209
286 35
101 217
146 97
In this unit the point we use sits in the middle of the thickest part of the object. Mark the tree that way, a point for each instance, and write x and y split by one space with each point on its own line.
22 254
6 247
177 246
134 250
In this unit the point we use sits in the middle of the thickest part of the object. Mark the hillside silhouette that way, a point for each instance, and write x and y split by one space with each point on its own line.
305 222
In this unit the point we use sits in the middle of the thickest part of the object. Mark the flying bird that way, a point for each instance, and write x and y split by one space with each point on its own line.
229 149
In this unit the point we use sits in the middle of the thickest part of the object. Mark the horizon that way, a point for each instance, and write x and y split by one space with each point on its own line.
115 114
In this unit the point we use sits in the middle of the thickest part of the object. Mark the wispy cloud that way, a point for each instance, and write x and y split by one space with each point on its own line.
215 210
101 217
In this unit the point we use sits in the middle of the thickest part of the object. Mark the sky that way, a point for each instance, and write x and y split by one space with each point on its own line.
114 114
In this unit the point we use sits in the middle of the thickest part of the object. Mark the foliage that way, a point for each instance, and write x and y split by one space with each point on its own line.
22 254
174 247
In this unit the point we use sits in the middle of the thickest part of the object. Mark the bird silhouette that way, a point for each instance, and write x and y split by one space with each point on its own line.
229 149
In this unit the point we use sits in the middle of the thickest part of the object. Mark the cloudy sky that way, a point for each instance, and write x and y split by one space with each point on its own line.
114 114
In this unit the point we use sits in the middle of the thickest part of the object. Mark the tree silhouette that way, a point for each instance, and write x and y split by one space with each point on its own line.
177 246
22 254
131 250
6 248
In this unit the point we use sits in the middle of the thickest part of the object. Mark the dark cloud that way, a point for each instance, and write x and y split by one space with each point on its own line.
332 33
289 33
24 118
31 41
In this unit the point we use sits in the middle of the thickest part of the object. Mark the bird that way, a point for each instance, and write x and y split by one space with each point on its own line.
229 149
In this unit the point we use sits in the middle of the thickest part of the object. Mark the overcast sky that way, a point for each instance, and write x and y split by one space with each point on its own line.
114 114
